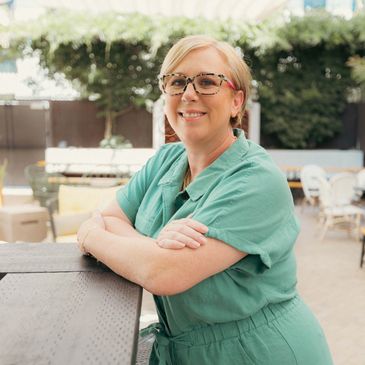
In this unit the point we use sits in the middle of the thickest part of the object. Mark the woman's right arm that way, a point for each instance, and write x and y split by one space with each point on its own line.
177 234
117 222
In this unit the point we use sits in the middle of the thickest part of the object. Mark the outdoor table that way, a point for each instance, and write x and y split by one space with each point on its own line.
58 306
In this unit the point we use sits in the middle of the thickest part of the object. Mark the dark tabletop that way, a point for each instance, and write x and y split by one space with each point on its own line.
60 307
45 257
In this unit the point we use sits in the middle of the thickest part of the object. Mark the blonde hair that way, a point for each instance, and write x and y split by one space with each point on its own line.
240 72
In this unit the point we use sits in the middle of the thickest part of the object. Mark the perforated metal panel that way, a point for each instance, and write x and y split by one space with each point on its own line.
68 318
144 349
45 257
64 308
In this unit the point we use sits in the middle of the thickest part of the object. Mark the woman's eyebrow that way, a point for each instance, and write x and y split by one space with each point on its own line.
198 73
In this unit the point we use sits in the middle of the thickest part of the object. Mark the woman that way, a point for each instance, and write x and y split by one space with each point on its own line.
208 227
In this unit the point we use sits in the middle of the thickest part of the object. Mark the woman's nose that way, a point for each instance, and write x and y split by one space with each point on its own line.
189 94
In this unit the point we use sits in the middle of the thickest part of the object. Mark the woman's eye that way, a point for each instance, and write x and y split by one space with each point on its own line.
206 82
177 82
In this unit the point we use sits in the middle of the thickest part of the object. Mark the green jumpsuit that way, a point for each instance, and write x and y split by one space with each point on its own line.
250 313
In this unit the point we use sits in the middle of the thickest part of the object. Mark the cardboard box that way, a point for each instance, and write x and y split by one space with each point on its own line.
26 223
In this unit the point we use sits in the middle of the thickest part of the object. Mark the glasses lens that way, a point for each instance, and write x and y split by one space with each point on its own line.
174 84
207 84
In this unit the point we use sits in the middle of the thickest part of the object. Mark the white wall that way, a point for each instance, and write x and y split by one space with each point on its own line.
330 159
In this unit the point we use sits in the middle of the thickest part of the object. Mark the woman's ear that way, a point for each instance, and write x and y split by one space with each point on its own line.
237 102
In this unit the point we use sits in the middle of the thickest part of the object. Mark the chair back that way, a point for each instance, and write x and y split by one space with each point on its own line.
360 179
76 204
325 192
343 188
309 176
38 179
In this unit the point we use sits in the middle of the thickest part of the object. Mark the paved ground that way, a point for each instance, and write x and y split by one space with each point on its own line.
332 284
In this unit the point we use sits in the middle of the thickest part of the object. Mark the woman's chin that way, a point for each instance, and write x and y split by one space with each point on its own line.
192 136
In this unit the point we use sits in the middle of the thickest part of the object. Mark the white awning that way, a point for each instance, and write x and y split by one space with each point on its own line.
245 10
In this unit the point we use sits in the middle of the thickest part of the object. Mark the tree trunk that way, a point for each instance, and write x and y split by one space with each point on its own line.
108 125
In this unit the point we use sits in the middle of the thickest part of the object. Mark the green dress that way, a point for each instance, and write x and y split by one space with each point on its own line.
250 313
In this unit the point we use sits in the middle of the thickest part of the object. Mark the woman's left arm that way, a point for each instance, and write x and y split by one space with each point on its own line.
160 271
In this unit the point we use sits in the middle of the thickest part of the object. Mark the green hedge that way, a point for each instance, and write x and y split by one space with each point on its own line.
301 66
304 82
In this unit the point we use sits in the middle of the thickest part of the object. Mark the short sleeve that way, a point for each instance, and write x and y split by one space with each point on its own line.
130 196
253 212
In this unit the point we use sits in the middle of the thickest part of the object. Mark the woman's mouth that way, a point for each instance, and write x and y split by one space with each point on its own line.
191 115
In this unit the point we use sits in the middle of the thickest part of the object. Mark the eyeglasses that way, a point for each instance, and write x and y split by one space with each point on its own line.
203 83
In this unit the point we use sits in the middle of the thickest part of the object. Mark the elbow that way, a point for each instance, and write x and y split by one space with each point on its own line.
159 290
164 283
162 289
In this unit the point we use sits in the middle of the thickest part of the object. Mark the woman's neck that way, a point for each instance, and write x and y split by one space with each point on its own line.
202 156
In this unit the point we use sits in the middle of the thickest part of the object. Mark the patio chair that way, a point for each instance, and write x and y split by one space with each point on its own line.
74 204
309 175
360 177
360 184
39 180
343 188
335 211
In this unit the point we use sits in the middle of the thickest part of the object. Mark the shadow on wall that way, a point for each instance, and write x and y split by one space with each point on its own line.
28 127
77 124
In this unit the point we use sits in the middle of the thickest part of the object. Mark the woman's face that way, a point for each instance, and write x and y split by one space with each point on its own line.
203 118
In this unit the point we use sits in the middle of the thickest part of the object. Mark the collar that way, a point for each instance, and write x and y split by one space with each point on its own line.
176 172
202 183
230 157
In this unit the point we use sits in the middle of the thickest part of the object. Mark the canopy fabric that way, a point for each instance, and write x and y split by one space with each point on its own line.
246 10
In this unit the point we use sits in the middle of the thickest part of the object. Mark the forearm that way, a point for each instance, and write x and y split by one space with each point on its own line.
120 227
138 259
158 270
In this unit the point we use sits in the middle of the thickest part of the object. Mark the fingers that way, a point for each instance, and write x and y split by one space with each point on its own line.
171 244
197 226
82 235
98 218
180 233
190 228
184 235
96 213
166 239
96 221
191 235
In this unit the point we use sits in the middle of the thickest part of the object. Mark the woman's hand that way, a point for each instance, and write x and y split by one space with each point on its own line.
95 222
182 232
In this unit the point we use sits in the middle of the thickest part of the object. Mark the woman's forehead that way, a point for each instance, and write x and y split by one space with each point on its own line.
202 60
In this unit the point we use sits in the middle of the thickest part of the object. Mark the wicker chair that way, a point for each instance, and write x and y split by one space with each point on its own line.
309 178
39 180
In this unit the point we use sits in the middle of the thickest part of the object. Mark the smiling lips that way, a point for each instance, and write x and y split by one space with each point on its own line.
191 115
